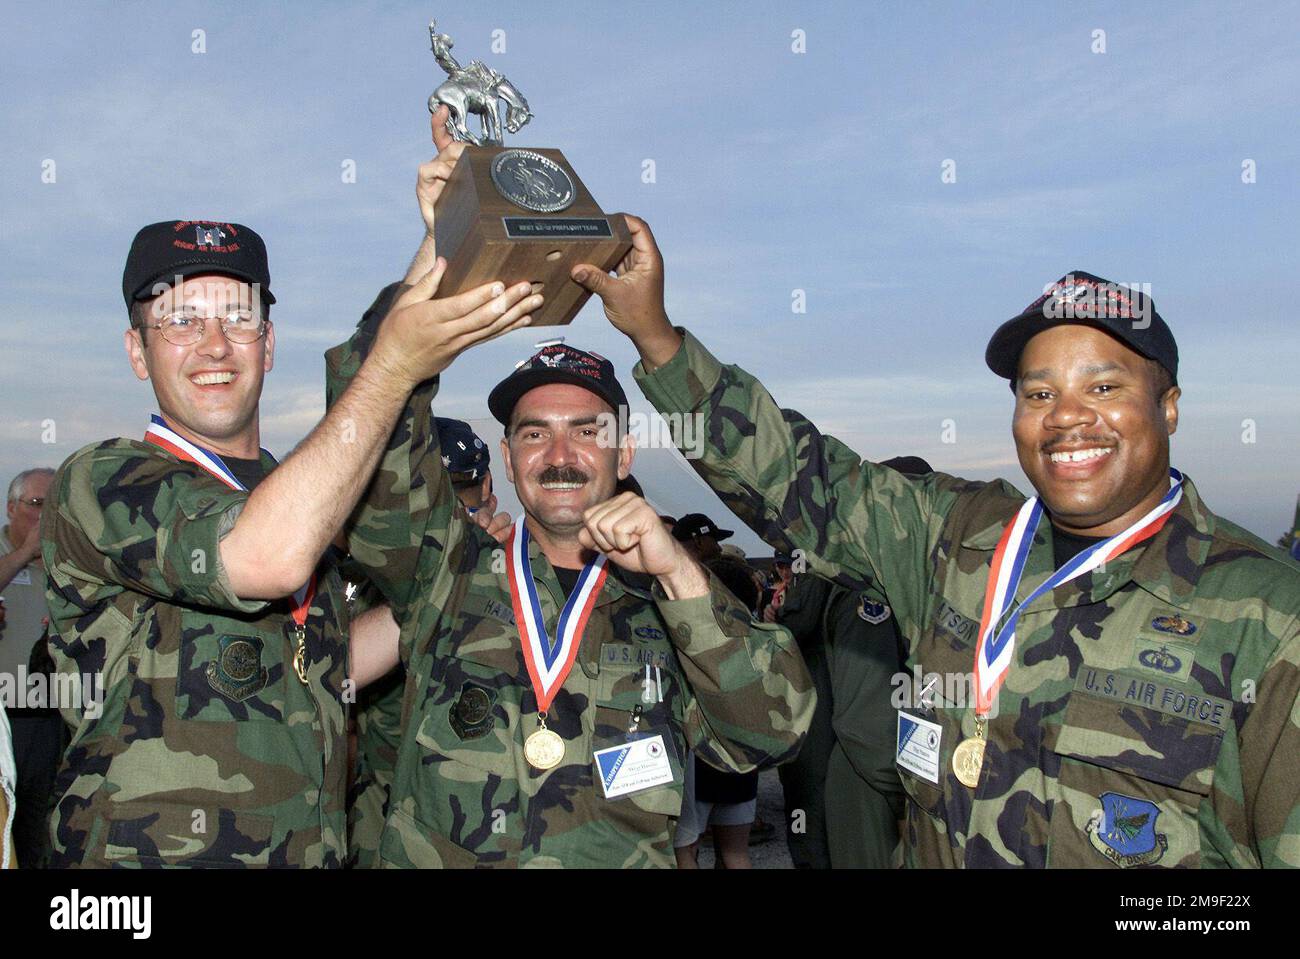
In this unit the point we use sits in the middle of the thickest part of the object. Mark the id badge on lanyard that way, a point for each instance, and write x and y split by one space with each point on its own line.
642 758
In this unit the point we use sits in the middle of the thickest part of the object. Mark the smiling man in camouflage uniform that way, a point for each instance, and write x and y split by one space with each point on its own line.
663 658
1141 713
666 651
186 571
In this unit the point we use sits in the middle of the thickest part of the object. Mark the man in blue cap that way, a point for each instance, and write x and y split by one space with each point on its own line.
465 457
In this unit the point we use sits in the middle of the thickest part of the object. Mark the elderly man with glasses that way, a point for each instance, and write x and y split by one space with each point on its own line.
21 576
37 735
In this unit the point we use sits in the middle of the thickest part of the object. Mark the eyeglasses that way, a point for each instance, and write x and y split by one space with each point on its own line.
186 329
37 501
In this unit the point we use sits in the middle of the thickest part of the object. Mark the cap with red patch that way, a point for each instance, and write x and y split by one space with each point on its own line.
161 252
1126 313
557 363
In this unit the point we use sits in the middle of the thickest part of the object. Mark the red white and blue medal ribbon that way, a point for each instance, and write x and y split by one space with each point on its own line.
549 660
160 434
994 653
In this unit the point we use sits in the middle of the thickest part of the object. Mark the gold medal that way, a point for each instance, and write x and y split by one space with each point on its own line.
968 757
967 761
544 749
300 656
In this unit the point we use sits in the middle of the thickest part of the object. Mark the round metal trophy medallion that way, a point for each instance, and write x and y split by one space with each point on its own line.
967 760
532 181
544 749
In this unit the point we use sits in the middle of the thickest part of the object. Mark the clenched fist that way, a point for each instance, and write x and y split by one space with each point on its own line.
629 531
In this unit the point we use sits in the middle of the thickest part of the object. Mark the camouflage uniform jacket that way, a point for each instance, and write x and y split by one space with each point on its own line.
208 750
379 736
463 794
377 715
1150 714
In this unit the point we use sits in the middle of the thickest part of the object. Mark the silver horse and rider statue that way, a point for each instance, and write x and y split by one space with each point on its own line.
476 88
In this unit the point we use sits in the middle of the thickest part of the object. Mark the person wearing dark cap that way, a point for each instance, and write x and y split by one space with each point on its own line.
779 580
554 687
467 461
701 536
188 570
1108 670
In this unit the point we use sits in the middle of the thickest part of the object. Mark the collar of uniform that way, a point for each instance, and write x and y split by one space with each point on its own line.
1167 566
1171 564
1003 510
989 537
617 581
267 461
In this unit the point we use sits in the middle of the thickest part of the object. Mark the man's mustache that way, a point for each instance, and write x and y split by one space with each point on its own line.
567 474
1057 445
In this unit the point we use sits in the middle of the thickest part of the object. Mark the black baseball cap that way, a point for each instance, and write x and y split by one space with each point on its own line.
1125 313
557 363
697 524
464 455
162 251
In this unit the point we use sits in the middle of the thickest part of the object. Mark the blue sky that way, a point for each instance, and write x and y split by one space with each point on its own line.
775 171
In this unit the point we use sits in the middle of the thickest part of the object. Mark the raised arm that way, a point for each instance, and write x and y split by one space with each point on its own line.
407 518
429 183
291 517
407 515
850 520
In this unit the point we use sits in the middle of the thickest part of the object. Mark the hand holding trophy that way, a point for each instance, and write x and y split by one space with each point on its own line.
514 214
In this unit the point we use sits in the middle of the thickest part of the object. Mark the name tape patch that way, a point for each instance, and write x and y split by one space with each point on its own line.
1171 700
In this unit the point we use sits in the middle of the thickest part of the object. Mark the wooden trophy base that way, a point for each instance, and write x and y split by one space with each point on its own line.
486 236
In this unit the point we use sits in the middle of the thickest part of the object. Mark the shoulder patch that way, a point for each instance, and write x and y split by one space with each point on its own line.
1124 831
470 715
871 611
237 672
